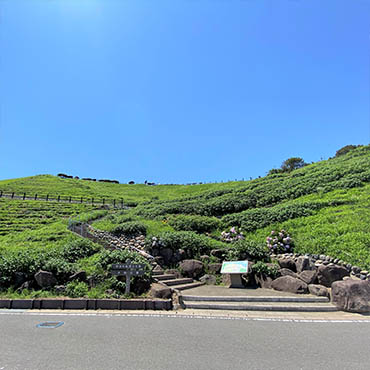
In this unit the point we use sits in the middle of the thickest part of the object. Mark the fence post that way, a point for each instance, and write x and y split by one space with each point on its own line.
81 199
12 195
114 203
24 196
1 193
58 198
121 203
47 197
103 201
70 199
35 196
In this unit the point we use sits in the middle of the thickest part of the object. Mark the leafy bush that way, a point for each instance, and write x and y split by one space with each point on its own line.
60 268
199 224
257 218
132 228
280 242
193 244
77 289
345 150
247 250
261 268
78 249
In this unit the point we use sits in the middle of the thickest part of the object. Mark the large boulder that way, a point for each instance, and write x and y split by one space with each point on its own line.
304 263
214 268
167 254
80 275
208 279
160 291
318 290
263 281
192 268
288 272
308 276
287 263
19 279
351 295
289 284
328 274
45 279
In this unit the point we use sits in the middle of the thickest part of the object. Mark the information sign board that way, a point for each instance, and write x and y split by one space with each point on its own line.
234 267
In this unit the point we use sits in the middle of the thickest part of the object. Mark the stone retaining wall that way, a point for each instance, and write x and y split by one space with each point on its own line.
87 304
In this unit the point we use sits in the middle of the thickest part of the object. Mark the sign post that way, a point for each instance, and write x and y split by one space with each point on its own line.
235 269
128 269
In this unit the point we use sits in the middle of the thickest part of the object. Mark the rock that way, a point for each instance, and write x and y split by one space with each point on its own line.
192 268
214 268
179 255
288 272
60 289
351 295
326 275
218 253
208 279
304 263
289 284
160 291
80 275
263 281
19 279
167 254
226 279
204 258
27 285
45 279
287 263
308 276
318 290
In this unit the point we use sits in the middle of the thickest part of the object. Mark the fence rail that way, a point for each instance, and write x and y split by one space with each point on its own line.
106 202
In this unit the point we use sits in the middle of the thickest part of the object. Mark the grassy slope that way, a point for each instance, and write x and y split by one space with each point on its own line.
340 230
52 185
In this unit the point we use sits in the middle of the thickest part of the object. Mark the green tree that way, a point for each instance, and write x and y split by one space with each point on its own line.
345 150
292 164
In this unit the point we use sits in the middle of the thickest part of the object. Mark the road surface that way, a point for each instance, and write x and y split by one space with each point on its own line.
133 342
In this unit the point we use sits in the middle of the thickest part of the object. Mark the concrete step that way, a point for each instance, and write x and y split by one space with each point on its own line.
187 286
165 277
291 299
261 306
177 281
157 272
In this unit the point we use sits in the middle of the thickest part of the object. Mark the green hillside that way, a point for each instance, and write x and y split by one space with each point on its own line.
325 207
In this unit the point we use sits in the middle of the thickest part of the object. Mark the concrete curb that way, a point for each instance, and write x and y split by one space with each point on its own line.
87 304
254 299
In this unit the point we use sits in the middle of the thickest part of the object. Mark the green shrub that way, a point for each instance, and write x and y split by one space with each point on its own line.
77 289
60 268
199 224
261 268
192 243
132 228
247 250
78 249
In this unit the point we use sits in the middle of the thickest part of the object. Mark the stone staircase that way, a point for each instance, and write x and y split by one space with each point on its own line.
258 303
171 281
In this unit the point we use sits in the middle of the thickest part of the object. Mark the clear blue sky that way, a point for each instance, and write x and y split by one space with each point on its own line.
176 91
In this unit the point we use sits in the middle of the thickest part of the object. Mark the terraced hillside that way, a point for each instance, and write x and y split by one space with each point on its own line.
324 206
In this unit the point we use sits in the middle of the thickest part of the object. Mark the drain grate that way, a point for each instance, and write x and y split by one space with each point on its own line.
50 324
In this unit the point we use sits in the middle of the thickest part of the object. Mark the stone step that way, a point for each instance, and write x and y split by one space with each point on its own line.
165 277
259 306
260 299
187 286
157 272
177 281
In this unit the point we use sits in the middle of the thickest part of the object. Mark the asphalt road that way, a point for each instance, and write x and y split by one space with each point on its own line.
147 342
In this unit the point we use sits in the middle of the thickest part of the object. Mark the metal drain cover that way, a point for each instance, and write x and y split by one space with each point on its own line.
50 324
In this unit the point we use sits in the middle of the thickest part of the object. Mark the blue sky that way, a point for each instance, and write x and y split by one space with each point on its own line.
176 91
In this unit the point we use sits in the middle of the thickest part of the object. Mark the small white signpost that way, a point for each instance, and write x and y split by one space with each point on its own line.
235 269
128 269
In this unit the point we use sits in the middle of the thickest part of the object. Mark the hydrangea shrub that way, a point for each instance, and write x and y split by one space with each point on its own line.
279 242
